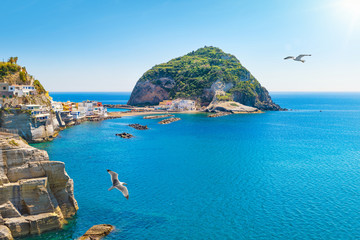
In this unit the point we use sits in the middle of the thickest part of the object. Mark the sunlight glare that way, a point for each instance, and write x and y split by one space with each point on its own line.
351 7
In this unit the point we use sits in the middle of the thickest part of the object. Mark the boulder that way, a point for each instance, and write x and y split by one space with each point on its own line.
97 232
138 126
124 135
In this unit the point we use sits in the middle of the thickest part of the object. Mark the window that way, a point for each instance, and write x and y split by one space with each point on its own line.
4 88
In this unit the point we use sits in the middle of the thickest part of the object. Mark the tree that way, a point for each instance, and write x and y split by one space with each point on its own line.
13 60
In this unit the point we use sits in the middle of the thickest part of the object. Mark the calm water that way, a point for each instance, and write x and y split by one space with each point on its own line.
277 175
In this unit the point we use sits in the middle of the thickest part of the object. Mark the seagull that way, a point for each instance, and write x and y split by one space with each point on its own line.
298 58
117 184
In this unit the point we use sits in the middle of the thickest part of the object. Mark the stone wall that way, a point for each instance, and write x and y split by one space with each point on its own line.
36 194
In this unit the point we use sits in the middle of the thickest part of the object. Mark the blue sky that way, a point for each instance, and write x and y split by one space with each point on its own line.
84 45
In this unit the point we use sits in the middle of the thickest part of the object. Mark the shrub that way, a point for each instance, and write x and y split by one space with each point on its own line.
7 68
39 88
23 76
13 143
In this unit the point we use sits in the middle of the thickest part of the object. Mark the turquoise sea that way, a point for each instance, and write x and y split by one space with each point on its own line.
277 175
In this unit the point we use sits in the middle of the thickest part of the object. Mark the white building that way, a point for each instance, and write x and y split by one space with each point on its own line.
32 107
42 117
101 111
87 107
77 115
183 105
22 90
56 106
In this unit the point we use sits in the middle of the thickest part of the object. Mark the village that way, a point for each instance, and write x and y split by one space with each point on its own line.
67 113
177 105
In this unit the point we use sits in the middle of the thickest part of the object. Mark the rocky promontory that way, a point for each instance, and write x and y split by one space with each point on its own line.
230 106
36 194
201 75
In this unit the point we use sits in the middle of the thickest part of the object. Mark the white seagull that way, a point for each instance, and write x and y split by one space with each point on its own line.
117 184
298 58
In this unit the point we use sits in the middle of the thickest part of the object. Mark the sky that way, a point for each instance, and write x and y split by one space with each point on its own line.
100 46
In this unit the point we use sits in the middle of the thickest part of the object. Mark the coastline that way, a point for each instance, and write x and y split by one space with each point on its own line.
129 114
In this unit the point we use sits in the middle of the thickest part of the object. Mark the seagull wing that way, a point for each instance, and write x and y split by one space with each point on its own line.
114 177
124 190
302 55
289 57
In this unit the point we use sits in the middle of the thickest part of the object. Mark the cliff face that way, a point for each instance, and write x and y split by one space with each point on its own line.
27 127
12 117
150 93
193 77
36 194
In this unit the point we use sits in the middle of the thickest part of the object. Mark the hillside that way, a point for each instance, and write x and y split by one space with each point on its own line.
200 75
15 75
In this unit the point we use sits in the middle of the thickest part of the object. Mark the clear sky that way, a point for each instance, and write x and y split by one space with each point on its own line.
85 45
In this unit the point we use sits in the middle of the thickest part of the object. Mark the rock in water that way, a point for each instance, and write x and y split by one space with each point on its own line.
124 135
169 120
36 194
201 75
97 232
138 126
219 114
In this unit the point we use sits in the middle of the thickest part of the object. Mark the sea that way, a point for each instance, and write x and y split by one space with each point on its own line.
277 175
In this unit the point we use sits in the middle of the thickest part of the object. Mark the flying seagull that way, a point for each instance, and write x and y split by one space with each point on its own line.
117 184
298 58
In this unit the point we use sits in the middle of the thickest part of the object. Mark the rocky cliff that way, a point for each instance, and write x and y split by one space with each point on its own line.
36 194
194 76
11 115
28 127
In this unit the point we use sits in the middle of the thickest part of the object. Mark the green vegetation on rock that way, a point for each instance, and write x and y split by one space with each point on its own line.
226 97
39 88
198 70
7 68
23 76
14 74
193 75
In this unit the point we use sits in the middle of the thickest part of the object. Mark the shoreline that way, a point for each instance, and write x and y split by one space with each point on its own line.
130 114
120 114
